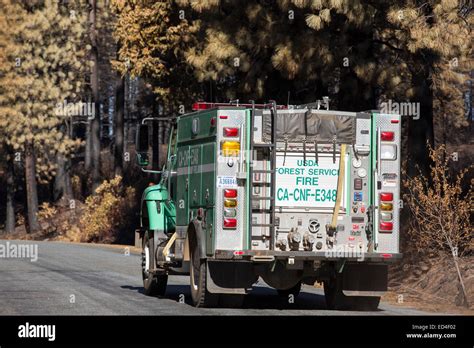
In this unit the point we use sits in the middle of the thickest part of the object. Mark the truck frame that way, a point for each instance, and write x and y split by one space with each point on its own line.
290 194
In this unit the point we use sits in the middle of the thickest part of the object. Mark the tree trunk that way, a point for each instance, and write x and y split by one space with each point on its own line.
167 132
155 144
95 124
455 259
105 115
118 125
62 190
31 188
10 203
420 131
87 154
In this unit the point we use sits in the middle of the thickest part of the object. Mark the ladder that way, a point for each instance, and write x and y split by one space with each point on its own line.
267 150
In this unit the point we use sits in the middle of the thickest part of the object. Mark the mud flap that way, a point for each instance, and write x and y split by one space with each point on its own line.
230 277
138 238
364 279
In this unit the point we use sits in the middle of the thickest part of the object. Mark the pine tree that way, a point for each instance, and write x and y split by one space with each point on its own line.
266 51
153 37
428 44
415 51
41 67
360 53
6 153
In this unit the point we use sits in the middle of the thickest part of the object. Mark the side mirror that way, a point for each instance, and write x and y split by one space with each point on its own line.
141 145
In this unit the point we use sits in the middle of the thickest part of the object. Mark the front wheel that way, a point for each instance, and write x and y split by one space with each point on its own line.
154 284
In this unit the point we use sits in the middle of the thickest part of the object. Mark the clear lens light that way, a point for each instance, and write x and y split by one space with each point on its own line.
230 212
388 152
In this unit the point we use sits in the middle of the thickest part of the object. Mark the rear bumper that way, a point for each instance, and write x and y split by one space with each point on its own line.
270 255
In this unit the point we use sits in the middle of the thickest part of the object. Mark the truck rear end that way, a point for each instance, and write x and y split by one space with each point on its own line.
309 195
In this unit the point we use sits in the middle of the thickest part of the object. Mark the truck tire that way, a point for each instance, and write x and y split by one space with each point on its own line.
336 300
198 278
294 290
153 284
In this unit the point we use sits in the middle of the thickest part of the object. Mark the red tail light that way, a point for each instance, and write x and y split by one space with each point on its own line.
386 226
387 136
230 223
230 193
386 196
231 132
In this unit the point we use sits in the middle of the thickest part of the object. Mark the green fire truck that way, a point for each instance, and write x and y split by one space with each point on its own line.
289 194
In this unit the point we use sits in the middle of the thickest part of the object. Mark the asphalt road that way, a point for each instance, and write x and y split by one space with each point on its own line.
78 279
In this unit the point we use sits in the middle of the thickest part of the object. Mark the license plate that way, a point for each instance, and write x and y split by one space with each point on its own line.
226 181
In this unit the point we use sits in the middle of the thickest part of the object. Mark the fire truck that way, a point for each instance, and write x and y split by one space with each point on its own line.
290 195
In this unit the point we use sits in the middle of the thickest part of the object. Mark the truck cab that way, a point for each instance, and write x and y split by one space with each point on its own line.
290 194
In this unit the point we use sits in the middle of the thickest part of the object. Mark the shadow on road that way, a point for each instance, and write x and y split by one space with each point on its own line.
266 298
139 289
258 298
173 292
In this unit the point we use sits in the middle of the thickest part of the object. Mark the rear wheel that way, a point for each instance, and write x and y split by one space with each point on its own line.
198 275
335 298
153 283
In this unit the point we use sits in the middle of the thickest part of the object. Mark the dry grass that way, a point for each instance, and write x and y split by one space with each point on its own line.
431 284
105 214
105 217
